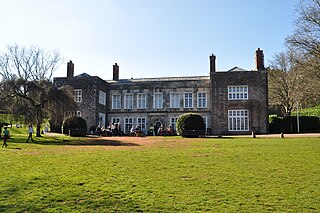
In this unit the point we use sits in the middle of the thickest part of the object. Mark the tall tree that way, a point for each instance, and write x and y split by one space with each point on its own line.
283 81
26 84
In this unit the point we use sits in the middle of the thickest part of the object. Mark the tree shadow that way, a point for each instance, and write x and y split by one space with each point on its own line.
88 142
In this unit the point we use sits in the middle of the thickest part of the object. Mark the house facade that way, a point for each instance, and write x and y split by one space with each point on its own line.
230 102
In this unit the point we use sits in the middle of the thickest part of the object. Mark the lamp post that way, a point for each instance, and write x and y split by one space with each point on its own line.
298 122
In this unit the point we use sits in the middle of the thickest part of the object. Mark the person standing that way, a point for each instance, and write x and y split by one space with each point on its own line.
30 131
6 136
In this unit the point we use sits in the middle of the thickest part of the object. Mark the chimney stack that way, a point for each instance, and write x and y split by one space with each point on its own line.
70 69
115 72
212 63
259 59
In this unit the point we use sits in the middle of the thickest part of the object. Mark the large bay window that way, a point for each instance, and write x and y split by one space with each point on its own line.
238 120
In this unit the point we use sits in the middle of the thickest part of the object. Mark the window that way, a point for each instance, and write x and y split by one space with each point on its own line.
202 100
173 122
174 100
128 123
205 119
128 101
238 120
102 97
141 122
141 101
115 120
158 100
77 95
188 100
116 101
237 92
102 119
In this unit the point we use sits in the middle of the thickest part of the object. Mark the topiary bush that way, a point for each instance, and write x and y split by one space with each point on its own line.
190 125
74 126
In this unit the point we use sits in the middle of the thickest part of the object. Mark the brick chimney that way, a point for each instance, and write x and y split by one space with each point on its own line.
259 59
70 69
115 72
212 63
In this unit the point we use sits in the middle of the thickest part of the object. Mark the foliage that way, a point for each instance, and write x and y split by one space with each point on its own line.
73 123
289 124
190 124
174 175
26 88
312 111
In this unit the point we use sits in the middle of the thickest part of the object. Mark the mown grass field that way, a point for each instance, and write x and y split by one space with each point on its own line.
160 174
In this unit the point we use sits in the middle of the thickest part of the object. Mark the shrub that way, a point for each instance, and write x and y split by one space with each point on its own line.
289 124
190 125
75 126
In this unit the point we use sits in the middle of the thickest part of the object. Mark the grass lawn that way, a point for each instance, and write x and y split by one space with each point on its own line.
160 174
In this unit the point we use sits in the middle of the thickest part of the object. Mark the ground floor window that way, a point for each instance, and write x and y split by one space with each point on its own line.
173 122
128 123
142 123
102 119
238 120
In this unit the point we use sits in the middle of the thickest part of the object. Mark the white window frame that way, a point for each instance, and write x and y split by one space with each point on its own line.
173 122
116 101
102 97
128 101
141 101
202 100
77 95
128 124
142 123
187 100
158 100
174 100
115 120
238 92
238 120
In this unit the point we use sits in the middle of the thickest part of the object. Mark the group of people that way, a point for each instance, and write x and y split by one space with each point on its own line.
114 129
6 135
165 131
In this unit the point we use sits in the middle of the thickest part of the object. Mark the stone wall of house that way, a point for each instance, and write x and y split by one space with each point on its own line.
90 86
166 86
257 102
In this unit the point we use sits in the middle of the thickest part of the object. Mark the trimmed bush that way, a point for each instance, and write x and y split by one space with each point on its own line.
289 124
190 125
74 126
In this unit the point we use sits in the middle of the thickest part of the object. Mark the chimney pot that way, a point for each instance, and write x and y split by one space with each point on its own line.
115 72
70 69
212 63
259 56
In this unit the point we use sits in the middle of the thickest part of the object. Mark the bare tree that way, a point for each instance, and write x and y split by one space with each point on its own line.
283 81
26 82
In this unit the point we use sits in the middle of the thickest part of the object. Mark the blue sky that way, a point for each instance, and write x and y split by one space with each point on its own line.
149 38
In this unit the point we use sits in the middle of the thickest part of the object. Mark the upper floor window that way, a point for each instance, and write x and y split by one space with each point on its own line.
77 95
238 92
102 97
202 100
174 100
141 101
116 101
188 100
128 101
158 100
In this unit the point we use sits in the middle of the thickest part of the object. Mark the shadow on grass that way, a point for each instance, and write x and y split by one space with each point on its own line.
87 143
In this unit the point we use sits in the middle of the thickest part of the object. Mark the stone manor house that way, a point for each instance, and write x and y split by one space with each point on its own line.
230 102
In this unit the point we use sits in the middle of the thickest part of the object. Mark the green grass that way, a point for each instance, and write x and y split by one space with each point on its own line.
173 175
